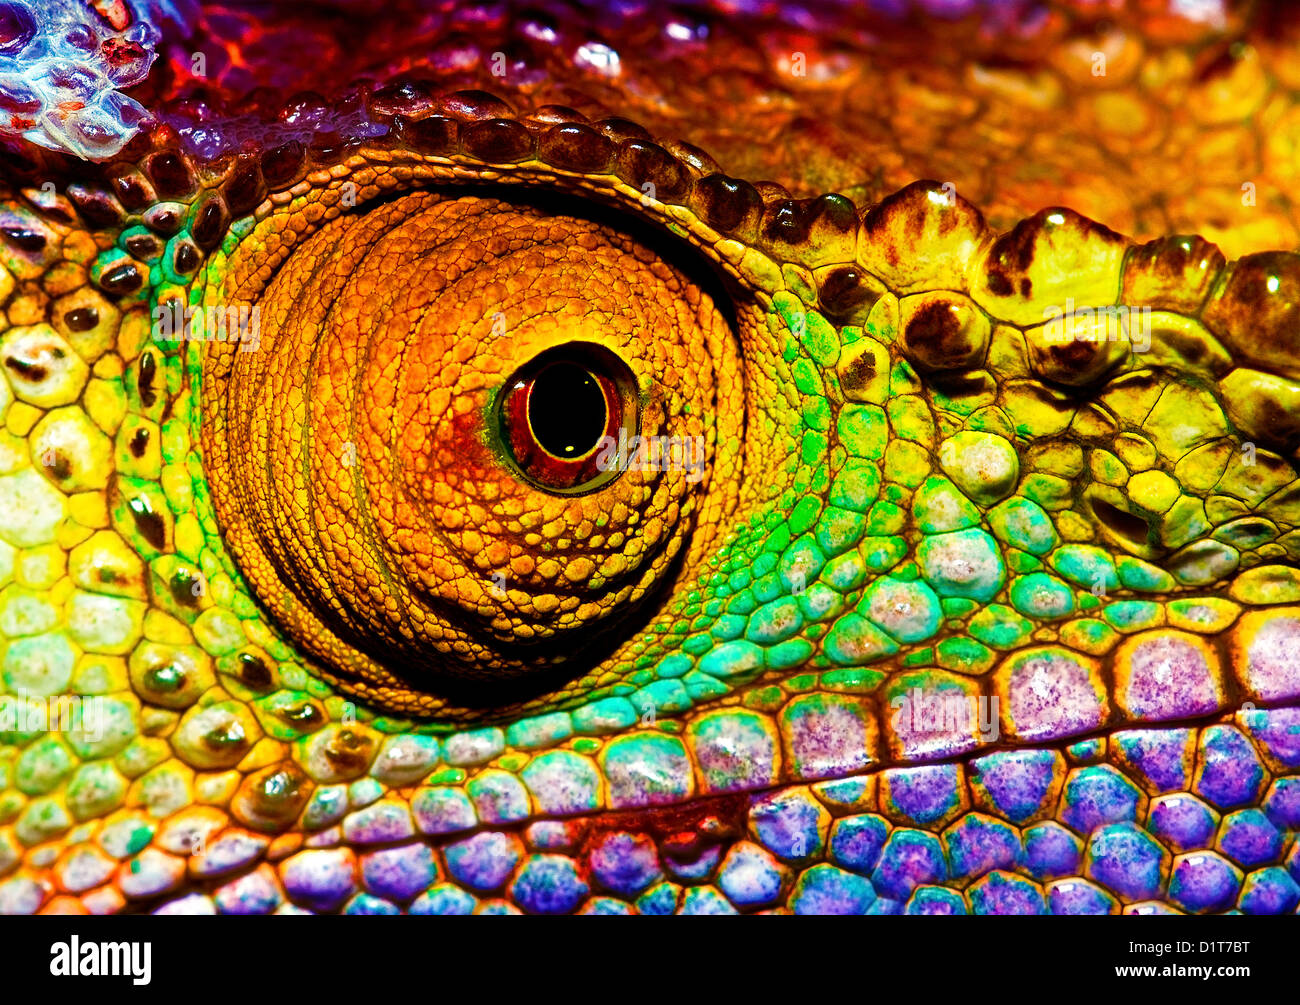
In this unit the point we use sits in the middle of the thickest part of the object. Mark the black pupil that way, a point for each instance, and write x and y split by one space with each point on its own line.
566 410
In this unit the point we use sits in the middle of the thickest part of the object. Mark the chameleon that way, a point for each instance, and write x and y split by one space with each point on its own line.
725 459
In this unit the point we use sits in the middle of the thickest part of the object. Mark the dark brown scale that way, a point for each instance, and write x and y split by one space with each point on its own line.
170 175
1073 356
58 465
404 97
934 335
475 106
147 522
283 164
51 206
147 373
349 751
498 141
244 189
302 714
843 291
692 157
555 115
143 246
98 208
24 238
638 162
133 192
254 672
618 130
137 147
139 442
834 212
788 222
165 219
121 280
209 225
182 588
32 372
186 258
1012 254
436 135
272 799
859 372
304 109
81 319
576 147
726 203
331 147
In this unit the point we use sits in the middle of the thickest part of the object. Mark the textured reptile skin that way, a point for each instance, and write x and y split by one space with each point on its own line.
979 596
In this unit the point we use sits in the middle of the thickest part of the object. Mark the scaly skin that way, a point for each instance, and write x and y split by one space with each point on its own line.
348 659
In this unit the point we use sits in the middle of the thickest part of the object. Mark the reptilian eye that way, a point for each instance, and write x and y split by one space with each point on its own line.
562 416
466 460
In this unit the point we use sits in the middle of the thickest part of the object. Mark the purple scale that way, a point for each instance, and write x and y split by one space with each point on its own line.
1017 782
484 861
1049 696
699 866
379 823
605 906
1160 754
1006 893
1272 671
1269 891
978 844
442 810
253 893
935 900
1078 896
909 859
1282 804
1182 821
1278 731
1170 679
364 904
190 905
885 906
750 876
499 797
444 899
549 884
1051 851
856 841
1098 795
549 835
924 794
1204 881
789 824
824 889
705 900
1230 774
625 863
399 873
1123 858
1249 838
322 879
232 850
